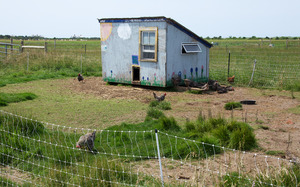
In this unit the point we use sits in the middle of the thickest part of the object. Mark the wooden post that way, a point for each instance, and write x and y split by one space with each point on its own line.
54 43
85 49
11 47
27 61
228 64
46 47
6 50
21 46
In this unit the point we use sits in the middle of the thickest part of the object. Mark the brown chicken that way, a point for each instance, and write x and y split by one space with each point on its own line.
231 79
87 141
159 98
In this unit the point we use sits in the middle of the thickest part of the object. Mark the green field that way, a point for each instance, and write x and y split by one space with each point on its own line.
277 67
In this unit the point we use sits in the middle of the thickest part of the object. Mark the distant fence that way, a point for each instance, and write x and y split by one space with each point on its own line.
277 66
39 153
8 49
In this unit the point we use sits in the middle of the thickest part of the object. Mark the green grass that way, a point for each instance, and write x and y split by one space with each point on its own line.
275 153
295 110
233 105
58 104
6 98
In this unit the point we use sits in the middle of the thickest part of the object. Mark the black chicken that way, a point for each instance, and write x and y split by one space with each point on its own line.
159 98
80 77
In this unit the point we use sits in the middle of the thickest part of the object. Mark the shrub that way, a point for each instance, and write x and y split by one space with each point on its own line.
153 103
3 103
190 126
232 105
242 137
170 123
161 105
164 105
154 113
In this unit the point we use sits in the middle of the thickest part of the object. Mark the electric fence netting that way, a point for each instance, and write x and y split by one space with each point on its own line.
43 154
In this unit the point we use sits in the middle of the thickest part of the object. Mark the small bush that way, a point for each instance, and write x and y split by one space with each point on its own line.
242 136
161 105
164 105
3 103
154 113
170 123
154 103
190 126
232 105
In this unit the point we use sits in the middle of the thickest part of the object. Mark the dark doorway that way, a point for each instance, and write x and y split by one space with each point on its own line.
136 73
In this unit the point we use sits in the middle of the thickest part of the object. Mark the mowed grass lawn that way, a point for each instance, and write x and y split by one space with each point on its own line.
59 105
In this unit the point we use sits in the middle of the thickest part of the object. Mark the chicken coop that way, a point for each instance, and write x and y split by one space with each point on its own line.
151 51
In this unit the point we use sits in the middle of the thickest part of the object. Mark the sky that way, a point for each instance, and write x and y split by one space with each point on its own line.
209 18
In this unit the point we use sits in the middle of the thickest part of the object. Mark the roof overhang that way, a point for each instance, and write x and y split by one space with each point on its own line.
155 19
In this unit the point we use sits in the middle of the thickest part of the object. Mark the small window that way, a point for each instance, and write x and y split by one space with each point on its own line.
190 48
148 44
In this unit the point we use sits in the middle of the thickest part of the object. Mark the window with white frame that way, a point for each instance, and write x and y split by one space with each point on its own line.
148 44
190 48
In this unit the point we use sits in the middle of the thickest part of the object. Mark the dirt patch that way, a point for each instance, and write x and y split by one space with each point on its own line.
270 111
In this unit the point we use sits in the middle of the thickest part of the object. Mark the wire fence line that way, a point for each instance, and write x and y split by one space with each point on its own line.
40 153
275 67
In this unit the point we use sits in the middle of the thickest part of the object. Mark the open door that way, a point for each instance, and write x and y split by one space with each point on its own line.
136 75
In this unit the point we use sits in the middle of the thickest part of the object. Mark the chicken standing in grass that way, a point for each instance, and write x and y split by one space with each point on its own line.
231 79
159 98
87 141
80 77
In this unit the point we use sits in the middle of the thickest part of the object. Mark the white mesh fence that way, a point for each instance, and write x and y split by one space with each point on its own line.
43 154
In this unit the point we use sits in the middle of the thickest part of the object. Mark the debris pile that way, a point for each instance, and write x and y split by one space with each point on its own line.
210 85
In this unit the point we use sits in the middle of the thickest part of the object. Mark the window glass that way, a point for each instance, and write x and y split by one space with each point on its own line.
152 38
148 42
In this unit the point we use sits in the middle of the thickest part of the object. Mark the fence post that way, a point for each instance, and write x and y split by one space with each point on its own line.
11 47
81 63
5 50
228 64
27 61
85 49
252 72
21 46
45 47
159 159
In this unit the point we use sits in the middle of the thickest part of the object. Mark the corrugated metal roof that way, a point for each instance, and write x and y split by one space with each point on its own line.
153 19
